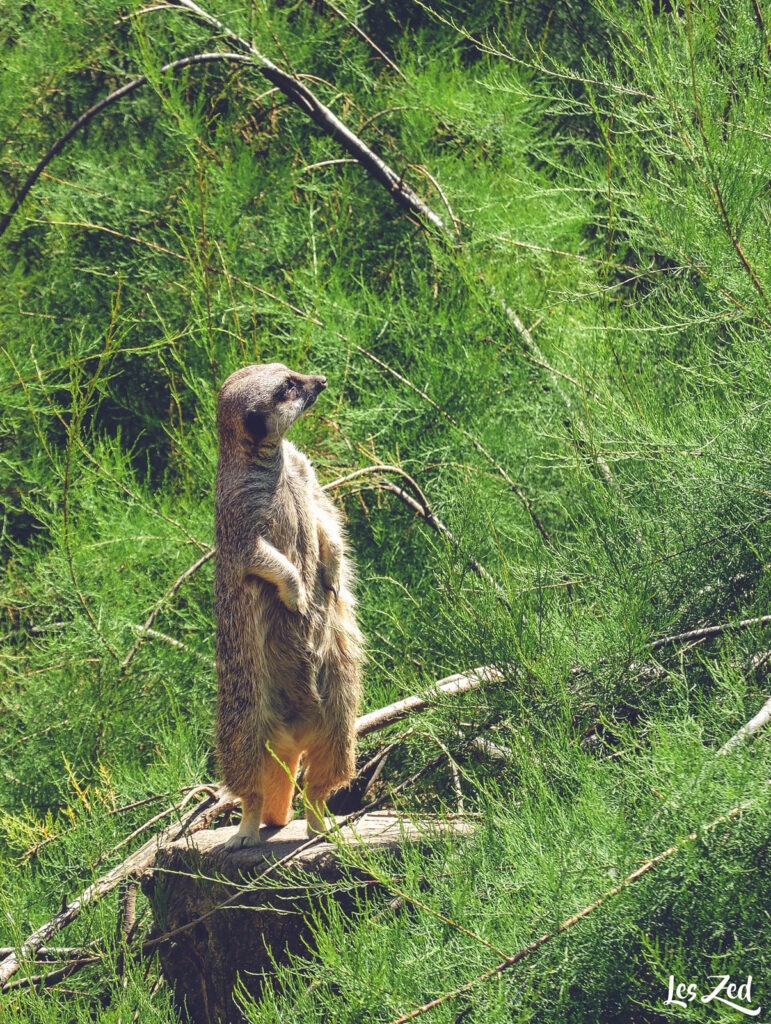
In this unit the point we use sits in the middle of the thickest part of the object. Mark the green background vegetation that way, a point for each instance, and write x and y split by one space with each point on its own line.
608 165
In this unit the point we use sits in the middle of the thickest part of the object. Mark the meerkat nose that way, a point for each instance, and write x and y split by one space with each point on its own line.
322 382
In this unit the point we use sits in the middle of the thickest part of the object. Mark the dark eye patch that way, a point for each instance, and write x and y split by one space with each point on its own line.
285 390
254 425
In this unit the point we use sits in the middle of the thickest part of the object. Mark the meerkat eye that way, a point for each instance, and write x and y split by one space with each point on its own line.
286 390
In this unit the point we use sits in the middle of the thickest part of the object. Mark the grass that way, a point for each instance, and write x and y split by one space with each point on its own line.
609 172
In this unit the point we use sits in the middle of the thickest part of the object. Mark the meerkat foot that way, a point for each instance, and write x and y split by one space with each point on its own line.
243 840
249 830
315 822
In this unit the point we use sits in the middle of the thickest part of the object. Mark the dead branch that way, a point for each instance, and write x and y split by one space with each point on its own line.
301 96
346 819
566 925
141 860
761 718
707 632
463 682
218 802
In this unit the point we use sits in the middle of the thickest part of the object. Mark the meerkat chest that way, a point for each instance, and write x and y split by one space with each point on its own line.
291 524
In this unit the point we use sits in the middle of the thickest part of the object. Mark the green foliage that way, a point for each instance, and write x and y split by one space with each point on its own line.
608 167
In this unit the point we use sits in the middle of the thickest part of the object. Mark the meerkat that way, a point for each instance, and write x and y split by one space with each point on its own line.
288 648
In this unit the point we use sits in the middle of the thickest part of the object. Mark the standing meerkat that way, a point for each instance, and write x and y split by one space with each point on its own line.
288 648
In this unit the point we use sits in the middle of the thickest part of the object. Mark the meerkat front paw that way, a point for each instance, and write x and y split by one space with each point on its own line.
294 596
330 579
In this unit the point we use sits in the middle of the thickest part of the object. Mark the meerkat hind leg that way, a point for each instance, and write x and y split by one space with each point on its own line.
322 777
278 788
249 830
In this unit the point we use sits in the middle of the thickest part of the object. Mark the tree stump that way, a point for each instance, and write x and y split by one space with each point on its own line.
240 941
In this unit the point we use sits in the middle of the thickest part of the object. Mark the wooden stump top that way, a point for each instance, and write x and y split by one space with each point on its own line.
215 945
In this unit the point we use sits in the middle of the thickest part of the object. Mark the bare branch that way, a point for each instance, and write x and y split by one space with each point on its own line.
707 632
141 860
330 124
763 717
566 925
191 570
463 682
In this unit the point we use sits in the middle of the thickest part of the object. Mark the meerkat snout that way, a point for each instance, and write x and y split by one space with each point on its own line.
258 404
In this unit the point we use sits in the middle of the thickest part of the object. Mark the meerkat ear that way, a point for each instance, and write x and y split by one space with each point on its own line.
255 426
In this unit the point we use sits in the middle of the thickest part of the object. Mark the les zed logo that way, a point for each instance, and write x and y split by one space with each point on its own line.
678 994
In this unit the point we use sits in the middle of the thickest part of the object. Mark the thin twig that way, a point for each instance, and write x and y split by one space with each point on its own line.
366 39
429 517
328 163
82 121
190 571
424 170
423 509
477 444
153 634
566 925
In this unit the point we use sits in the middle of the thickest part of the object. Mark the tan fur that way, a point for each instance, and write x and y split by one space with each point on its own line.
288 647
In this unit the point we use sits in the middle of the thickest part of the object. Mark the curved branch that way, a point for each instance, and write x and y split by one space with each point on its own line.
83 120
329 123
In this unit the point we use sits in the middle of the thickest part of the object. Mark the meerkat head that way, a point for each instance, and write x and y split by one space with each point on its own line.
258 404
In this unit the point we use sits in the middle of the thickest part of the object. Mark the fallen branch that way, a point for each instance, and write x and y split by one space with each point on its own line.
707 632
219 802
763 717
566 925
141 860
452 686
